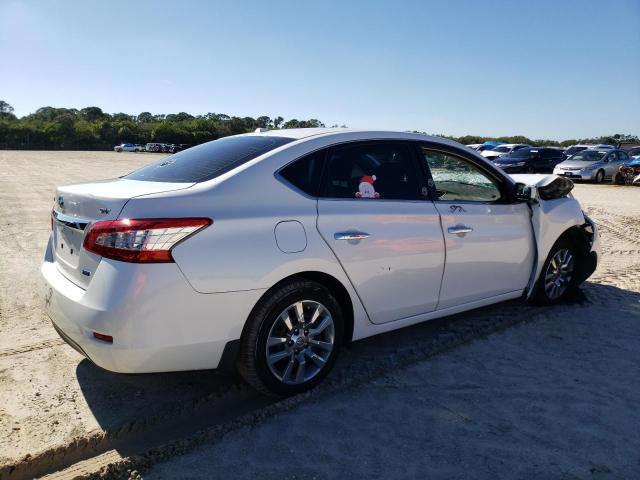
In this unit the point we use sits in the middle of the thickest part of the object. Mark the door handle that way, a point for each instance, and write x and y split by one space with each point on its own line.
460 230
350 235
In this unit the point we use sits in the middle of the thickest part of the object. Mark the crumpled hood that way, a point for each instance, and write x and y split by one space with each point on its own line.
548 186
634 162
534 179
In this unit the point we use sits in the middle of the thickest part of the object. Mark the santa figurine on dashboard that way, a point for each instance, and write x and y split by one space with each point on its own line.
366 189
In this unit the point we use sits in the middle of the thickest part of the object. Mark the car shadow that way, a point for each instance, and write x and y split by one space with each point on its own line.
126 403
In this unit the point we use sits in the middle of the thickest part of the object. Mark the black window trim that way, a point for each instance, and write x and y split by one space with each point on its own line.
278 173
505 185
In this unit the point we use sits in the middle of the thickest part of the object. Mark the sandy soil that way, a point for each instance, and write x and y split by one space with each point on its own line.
555 397
51 398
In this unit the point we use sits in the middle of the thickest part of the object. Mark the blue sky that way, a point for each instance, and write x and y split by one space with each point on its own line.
546 68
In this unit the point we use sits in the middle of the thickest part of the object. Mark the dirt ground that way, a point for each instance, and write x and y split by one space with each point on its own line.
553 397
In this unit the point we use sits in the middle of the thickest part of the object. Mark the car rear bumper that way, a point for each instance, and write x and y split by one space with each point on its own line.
158 322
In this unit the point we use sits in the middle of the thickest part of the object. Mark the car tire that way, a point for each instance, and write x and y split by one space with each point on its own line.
558 276
599 178
618 179
278 355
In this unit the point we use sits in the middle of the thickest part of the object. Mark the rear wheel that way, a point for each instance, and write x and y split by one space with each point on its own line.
292 339
557 278
599 176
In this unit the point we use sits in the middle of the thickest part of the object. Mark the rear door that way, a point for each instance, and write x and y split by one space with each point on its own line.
489 241
375 216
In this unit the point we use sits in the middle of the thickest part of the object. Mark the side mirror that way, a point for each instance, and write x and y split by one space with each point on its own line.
523 192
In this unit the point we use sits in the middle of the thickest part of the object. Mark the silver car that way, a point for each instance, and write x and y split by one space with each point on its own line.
592 165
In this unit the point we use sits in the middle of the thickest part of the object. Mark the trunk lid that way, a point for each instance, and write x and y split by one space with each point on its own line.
77 206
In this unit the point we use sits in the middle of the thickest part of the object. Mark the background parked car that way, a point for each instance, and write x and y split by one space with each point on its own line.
573 149
128 147
634 152
503 149
629 171
592 165
178 147
153 147
530 160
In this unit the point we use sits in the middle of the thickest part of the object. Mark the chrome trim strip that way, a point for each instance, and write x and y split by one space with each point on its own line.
75 223
350 235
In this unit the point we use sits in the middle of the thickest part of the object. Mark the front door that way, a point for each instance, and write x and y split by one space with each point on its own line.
489 243
383 230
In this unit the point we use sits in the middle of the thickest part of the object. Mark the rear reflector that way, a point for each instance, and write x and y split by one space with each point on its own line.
103 337
147 240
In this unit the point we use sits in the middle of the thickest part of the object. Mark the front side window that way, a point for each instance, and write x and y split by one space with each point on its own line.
209 160
459 180
377 171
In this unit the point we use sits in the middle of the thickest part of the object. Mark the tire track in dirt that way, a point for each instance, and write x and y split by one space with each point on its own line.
175 433
54 342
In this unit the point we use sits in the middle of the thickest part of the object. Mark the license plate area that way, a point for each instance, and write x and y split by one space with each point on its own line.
68 244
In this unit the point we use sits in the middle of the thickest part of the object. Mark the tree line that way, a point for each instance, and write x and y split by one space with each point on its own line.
90 128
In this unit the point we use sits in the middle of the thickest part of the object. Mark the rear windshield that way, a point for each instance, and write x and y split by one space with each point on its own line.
209 160
524 153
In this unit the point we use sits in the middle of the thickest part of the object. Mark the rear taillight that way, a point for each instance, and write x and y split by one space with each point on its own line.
147 240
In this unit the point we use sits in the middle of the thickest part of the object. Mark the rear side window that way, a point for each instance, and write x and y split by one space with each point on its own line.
376 171
209 160
523 153
305 173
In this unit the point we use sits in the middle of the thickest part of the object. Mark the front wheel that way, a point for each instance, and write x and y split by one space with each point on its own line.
599 176
557 278
291 339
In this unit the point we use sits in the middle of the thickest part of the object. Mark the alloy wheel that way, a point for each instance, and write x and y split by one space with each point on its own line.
558 275
300 342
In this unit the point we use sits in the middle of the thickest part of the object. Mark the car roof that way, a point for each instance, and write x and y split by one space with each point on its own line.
308 133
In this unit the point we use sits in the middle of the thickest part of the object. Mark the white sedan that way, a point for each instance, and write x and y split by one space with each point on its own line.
267 252
504 149
128 147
